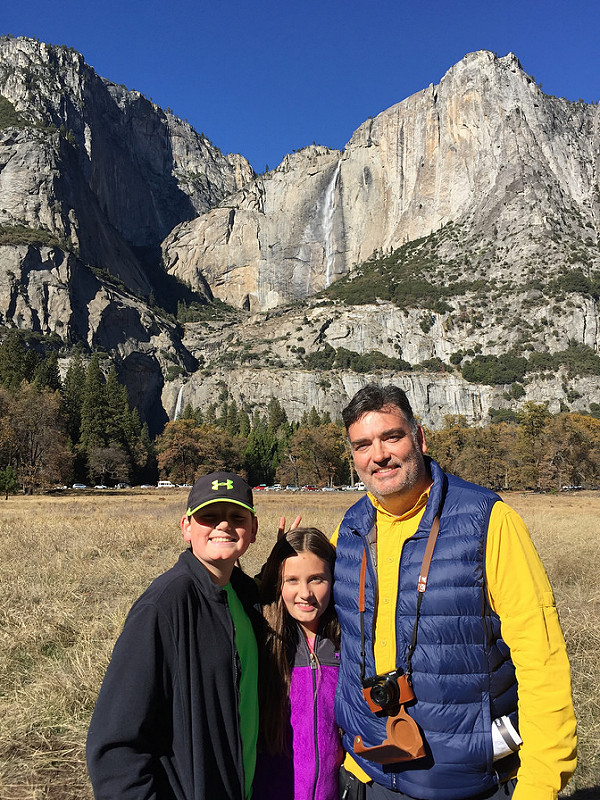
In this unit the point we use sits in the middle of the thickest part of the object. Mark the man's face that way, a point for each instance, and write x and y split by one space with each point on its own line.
388 456
219 534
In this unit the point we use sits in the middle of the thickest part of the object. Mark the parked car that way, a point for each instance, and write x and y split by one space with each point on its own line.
165 485
290 488
100 486
79 486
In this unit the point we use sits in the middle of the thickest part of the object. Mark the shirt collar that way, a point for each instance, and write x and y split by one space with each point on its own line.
418 506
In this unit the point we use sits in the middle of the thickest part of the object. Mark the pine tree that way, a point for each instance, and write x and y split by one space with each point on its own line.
17 363
72 397
47 374
116 411
8 481
223 413
93 407
210 415
233 419
188 412
314 420
276 416
244 424
261 452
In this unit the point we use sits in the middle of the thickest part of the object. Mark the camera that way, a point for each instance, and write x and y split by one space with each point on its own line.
385 693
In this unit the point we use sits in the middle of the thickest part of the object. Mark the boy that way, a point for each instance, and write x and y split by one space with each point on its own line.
177 714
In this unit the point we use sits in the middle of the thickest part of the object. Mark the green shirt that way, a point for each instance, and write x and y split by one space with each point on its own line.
245 642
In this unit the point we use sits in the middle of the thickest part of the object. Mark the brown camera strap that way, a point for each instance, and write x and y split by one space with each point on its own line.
421 586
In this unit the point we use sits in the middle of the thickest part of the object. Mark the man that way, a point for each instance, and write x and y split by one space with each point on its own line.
483 646
177 714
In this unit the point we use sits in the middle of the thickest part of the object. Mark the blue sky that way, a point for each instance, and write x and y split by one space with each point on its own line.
265 77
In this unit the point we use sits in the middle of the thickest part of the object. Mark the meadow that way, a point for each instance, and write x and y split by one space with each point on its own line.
72 564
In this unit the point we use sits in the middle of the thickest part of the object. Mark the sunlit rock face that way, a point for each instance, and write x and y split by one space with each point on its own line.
496 180
485 148
103 174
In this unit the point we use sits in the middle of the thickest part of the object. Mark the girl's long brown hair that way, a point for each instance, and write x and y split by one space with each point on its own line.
277 654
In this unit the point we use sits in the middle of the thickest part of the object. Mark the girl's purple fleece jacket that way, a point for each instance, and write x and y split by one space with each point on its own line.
310 771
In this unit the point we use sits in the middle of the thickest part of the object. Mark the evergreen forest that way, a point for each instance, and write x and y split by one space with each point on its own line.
81 428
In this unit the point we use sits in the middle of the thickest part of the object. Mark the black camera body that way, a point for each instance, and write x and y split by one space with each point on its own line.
384 693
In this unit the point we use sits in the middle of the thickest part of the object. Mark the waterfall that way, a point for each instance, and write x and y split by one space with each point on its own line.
179 403
328 214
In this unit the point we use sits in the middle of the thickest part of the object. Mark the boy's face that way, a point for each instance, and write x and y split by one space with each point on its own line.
219 534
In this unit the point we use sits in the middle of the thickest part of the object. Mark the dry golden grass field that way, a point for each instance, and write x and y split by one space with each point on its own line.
70 567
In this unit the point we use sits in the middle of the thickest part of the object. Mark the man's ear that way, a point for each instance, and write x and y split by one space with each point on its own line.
185 528
421 439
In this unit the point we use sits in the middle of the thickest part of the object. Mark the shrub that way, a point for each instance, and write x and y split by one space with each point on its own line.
9 117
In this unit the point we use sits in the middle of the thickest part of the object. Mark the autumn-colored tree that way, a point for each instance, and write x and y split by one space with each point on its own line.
219 450
573 450
178 450
186 451
530 446
446 444
40 449
108 465
317 456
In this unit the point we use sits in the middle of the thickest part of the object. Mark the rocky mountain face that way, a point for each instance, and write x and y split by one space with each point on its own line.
460 223
101 175
276 354
482 191
484 148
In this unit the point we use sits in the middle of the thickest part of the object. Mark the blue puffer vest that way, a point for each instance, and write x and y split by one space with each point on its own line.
462 674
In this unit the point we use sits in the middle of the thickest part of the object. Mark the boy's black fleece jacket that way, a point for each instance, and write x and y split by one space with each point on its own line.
166 723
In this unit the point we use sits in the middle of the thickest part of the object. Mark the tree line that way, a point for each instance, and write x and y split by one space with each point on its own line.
81 428
78 428
266 448
531 449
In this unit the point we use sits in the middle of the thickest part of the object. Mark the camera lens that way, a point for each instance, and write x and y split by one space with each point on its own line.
385 692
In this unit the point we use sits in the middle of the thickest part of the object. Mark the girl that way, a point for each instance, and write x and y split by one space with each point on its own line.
301 750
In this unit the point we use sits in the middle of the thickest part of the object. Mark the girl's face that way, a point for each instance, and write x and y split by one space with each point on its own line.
306 589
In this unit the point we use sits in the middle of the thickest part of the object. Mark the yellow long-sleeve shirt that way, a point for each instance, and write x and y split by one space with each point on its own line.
520 593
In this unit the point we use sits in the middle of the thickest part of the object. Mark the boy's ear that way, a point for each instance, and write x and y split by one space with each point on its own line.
254 529
185 528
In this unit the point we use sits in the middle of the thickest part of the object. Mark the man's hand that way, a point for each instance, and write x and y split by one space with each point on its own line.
281 531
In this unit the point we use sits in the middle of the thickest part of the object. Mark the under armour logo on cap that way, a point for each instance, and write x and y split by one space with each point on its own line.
228 484
220 487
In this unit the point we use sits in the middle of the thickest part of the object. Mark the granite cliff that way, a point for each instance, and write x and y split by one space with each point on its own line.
92 178
462 223
485 148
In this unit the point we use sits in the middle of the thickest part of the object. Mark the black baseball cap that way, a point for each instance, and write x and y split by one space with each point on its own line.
219 487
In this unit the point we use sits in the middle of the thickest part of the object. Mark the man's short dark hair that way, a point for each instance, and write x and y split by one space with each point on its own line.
374 397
